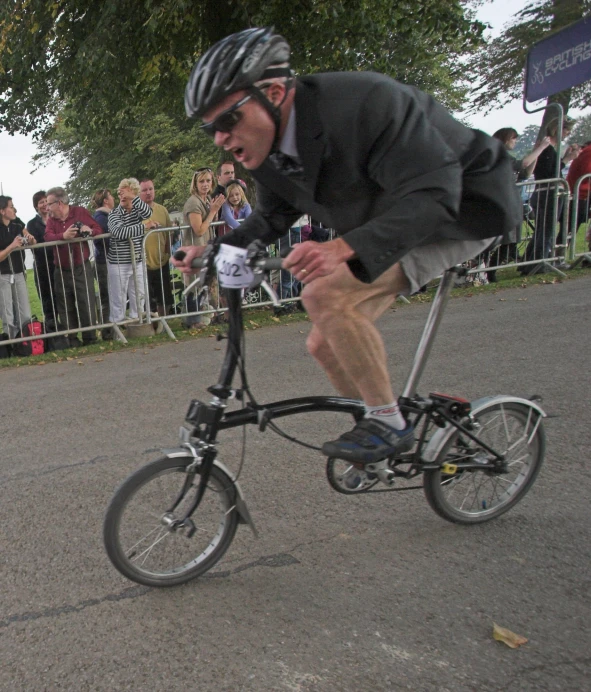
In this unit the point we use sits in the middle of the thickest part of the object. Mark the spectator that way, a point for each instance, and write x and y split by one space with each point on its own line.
43 262
125 249
73 276
103 202
15 309
224 173
522 167
543 201
236 206
199 212
157 248
580 167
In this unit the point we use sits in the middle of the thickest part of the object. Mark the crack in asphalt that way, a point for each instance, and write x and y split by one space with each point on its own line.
35 473
277 560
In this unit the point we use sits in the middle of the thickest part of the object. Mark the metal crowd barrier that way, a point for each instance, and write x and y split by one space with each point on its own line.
79 300
543 240
580 215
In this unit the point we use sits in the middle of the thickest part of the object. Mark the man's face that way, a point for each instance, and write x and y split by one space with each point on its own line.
227 174
42 206
56 208
147 193
251 138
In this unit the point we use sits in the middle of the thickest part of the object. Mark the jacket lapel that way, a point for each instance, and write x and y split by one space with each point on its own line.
308 133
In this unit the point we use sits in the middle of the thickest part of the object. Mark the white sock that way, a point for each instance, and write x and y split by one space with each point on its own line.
388 414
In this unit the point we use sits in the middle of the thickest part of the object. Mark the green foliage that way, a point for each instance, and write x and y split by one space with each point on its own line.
101 82
498 68
581 131
526 142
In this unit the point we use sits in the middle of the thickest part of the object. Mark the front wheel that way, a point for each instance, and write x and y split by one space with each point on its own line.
472 496
143 537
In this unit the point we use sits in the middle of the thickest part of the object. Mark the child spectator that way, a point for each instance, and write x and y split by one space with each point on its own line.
236 206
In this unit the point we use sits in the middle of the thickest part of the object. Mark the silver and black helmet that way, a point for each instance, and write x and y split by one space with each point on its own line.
237 62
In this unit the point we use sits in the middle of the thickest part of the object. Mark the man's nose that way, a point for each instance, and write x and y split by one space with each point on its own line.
220 138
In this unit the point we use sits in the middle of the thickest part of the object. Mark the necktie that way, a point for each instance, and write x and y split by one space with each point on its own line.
285 164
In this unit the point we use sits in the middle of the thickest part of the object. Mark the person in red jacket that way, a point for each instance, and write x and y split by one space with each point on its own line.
73 276
579 167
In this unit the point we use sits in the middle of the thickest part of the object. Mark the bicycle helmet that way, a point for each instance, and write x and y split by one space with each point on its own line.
240 61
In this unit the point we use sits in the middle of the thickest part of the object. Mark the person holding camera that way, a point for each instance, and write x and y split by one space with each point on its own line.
15 309
73 275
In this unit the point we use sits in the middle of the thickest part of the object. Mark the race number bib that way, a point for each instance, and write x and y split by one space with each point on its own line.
231 267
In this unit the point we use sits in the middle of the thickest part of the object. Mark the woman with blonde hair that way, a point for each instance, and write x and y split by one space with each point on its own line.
125 248
236 206
199 212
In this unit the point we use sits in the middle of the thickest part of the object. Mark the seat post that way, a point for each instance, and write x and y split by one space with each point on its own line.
430 330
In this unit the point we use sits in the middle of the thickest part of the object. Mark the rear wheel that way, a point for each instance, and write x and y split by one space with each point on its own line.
142 536
474 496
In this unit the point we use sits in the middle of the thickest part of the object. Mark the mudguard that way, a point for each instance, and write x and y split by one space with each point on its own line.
442 435
243 513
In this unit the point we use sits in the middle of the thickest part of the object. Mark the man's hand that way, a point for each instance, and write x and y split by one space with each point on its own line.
150 225
71 232
311 260
30 238
191 252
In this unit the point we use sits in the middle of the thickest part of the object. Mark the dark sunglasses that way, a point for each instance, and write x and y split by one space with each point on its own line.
226 120
205 169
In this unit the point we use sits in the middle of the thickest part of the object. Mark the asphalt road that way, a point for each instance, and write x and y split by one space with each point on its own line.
338 593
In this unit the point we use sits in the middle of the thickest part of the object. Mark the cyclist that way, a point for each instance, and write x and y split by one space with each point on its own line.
409 190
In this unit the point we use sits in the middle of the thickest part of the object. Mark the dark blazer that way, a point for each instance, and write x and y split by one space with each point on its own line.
387 167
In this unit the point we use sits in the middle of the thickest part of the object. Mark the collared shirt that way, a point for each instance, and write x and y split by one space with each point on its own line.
157 245
288 144
55 229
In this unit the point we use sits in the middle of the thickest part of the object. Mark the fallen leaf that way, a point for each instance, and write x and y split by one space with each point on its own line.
98 360
80 362
275 319
254 324
502 299
512 640
69 358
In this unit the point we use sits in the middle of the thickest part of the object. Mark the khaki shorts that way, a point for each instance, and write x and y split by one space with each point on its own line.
426 262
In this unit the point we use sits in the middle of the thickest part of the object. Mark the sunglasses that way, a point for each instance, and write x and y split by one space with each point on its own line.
205 169
226 120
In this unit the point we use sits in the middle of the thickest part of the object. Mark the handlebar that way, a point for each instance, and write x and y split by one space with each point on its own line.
264 264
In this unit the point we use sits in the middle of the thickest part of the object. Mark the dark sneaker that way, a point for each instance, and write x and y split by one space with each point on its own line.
369 441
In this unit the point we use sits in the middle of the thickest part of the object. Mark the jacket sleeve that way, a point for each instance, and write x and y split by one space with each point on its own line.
420 175
228 217
52 231
93 224
121 227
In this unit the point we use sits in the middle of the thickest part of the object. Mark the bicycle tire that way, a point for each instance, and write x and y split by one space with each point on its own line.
475 496
144 549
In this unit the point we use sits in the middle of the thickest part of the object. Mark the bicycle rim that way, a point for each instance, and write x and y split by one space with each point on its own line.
474 496
137 530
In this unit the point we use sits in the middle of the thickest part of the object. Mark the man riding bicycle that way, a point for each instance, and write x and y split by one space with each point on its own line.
409 190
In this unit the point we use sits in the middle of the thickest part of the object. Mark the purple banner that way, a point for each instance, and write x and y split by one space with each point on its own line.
559 62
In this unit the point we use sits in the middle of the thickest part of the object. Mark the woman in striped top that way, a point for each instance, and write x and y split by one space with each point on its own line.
125 248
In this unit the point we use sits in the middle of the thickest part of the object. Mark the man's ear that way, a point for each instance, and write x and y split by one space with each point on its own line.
276 93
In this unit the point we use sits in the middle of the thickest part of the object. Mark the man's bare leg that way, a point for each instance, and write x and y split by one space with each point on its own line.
346 343
344 339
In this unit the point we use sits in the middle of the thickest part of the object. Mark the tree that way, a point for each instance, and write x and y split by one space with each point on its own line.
100 82
499 65
99 57
526 142
581 131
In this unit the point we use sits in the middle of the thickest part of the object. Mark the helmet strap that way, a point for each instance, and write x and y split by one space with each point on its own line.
273 110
